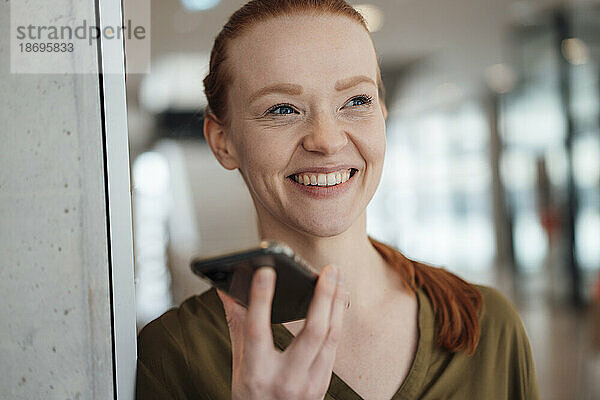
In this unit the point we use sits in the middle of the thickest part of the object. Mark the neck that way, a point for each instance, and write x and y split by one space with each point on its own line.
367 276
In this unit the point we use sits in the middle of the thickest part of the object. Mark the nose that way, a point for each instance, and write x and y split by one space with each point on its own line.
324 135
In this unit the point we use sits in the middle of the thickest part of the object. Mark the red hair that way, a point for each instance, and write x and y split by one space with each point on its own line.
455 302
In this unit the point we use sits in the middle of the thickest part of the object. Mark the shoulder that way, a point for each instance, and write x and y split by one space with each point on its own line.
501 324
180 344
494 300
497 312
173 327
504 339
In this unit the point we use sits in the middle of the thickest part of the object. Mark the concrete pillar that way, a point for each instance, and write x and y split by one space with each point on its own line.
57 288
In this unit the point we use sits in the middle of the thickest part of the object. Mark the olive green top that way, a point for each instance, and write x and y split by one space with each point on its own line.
186 354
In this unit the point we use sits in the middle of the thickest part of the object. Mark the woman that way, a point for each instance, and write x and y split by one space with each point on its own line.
295 104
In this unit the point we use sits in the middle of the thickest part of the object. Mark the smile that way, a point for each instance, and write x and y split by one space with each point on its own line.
325 180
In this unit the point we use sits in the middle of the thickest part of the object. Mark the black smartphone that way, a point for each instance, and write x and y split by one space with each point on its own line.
232 273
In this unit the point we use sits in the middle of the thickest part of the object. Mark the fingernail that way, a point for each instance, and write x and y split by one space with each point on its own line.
264 277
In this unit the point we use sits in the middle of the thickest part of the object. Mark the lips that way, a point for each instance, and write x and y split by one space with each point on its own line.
322 192
323 170
321 179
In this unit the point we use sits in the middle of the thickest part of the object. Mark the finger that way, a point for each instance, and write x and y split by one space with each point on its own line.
320 370
259 336
235 315
303 350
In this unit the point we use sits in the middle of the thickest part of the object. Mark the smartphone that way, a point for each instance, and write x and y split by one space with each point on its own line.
232 273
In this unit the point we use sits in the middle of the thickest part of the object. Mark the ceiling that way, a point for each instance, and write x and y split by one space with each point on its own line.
449 41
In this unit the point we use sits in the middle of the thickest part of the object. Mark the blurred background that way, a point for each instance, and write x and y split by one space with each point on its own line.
492 167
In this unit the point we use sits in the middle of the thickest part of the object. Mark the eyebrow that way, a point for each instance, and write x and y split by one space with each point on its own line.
344 84
296 90
286 88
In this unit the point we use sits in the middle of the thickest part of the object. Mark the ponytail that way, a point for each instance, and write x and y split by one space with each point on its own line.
455 302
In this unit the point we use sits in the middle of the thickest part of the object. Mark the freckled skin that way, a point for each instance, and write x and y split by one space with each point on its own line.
324 125
319 120
325 128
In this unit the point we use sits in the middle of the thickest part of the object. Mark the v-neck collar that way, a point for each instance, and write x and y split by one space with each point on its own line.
409 389
340 390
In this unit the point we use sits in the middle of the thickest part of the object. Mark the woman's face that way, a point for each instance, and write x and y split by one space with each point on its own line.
304 103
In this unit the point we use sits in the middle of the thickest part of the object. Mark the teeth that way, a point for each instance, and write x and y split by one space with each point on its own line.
330 179
345 176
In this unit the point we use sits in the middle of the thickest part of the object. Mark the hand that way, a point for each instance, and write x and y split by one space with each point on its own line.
303 370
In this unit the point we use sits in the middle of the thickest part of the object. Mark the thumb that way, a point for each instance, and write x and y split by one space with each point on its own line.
235 315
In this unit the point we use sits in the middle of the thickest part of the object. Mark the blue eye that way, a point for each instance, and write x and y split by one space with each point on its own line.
359 101
281 109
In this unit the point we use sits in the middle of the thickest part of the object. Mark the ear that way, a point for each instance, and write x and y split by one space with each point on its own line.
384 110
219 143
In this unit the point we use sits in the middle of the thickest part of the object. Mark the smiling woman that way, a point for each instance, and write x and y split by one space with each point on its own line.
296 106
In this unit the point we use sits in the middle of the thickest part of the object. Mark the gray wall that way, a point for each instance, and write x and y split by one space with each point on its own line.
55 321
